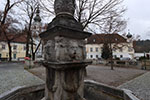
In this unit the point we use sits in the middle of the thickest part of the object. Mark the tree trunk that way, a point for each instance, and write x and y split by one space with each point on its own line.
33 53
27 44
112 67
32 50
111 57
10 51
27 49
33 56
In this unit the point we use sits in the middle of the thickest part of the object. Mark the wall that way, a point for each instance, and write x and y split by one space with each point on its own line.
124 46
20 52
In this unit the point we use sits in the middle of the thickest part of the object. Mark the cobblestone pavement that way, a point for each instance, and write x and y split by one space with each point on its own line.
116 77
102 74
13 75
140 86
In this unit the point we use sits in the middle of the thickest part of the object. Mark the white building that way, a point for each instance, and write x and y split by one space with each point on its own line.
122 47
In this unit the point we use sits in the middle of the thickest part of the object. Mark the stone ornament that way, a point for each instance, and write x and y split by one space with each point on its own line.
64 49
64 7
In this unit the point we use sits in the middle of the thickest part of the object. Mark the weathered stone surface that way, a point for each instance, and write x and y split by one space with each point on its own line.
97 91
63 49
62 31
64 84
24 93
64 6
64 54
65 21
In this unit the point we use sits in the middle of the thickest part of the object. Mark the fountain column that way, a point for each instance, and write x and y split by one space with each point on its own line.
64 54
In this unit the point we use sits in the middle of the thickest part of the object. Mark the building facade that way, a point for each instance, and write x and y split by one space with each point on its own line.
18 47
18 51
121 47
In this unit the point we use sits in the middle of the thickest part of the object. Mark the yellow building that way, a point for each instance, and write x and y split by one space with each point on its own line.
122 47
18 50
18 46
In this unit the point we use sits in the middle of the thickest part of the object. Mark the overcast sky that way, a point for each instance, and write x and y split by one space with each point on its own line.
138 15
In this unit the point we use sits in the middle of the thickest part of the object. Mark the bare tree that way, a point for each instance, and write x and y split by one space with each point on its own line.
29 8
113 25
90 12
7 22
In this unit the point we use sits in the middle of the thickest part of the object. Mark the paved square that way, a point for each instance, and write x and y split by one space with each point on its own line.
13 75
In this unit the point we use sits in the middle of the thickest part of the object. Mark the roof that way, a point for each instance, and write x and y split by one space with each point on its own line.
106 38
18 38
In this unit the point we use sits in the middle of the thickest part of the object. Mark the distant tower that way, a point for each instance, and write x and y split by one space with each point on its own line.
129 36
37 29
37 25
37 17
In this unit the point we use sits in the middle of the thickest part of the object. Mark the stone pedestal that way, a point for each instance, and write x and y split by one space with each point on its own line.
64 81
64 54
64 59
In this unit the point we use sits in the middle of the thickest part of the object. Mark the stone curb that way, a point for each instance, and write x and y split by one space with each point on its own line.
20 90
122 93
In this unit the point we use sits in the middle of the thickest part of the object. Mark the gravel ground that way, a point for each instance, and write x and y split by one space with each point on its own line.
140 86
102 74
13 75
114 77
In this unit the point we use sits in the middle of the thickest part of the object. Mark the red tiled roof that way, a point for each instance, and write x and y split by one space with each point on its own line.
18 38
106 38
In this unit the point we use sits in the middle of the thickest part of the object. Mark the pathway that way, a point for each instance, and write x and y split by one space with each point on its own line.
140 86
13 75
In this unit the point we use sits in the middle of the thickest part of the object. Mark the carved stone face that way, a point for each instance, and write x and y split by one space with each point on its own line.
64 49
64 6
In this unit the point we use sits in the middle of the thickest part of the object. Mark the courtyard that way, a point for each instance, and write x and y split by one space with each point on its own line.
102 74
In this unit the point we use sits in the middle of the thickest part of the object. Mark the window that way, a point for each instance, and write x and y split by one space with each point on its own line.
91 56
3 46
96 56
91 49
115 56
114 49
15 47
121 56
14 56
120 49
0 55
130 49
96 49
24 48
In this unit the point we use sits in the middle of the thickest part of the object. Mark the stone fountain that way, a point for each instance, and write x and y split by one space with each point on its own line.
64 54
